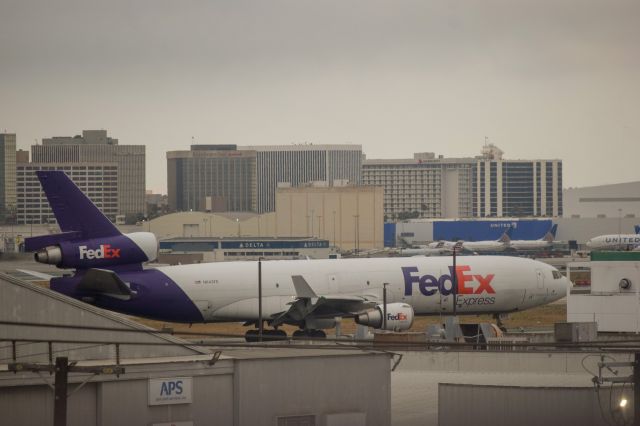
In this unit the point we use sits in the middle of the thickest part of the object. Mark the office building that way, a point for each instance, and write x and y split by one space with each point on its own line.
298 165
483 186
7 177
99 182
95 149
211 178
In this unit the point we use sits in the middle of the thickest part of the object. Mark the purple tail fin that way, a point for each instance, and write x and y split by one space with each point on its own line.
74 211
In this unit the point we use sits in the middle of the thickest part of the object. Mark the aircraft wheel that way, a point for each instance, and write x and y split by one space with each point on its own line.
251 336
299 334
272 335
317 334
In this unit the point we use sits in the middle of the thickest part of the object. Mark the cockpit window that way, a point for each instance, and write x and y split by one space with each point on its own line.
556 275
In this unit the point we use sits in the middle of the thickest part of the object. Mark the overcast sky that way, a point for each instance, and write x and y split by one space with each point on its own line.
540 79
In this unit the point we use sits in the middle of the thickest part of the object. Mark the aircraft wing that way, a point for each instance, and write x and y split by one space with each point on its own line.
308 303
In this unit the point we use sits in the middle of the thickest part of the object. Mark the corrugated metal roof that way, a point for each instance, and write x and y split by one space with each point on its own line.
24 302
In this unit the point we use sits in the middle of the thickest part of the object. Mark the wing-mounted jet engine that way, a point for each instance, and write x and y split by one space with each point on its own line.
399 317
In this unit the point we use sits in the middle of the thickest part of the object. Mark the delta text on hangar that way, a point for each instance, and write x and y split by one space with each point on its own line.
214 249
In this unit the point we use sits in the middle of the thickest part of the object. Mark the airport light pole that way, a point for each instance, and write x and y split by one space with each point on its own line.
312 223
620 227
260 325
454 283
356 236
384 305
334 228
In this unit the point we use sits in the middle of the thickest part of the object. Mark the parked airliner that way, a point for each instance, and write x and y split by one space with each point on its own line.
616 241
309 294
479 246
544 242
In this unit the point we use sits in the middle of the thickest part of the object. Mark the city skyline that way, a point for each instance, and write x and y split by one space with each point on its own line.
541 80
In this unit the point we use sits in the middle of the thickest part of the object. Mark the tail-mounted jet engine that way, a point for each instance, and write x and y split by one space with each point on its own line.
399 317
136 247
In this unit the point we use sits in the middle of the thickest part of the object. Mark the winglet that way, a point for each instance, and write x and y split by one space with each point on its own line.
303 289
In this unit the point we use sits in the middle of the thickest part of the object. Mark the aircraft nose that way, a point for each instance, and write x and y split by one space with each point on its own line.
564 286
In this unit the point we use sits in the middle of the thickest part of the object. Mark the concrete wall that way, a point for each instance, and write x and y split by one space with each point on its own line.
198 224
613 308
334 388
608 200
415 382
110 401
320 386
460 404
345 216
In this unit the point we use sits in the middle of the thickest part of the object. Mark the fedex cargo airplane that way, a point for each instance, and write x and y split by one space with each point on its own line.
309 294
616 241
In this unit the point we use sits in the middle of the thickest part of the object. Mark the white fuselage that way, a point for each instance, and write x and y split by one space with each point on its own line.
424 251
529 244
614 241
483 245
228 291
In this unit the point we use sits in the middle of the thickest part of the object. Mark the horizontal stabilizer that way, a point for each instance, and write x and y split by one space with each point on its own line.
105 282
36 274
42 241
303 289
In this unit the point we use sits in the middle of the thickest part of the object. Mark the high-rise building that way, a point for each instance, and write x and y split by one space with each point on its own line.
296 165
93 151
99 182
483 186
423 187
211 178
7 176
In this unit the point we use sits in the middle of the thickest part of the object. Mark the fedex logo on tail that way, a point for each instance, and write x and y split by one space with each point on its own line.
104 252
429 284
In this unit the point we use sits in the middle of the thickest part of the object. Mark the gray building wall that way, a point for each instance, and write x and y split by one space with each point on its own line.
612 201
268 389
94 148
460 404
